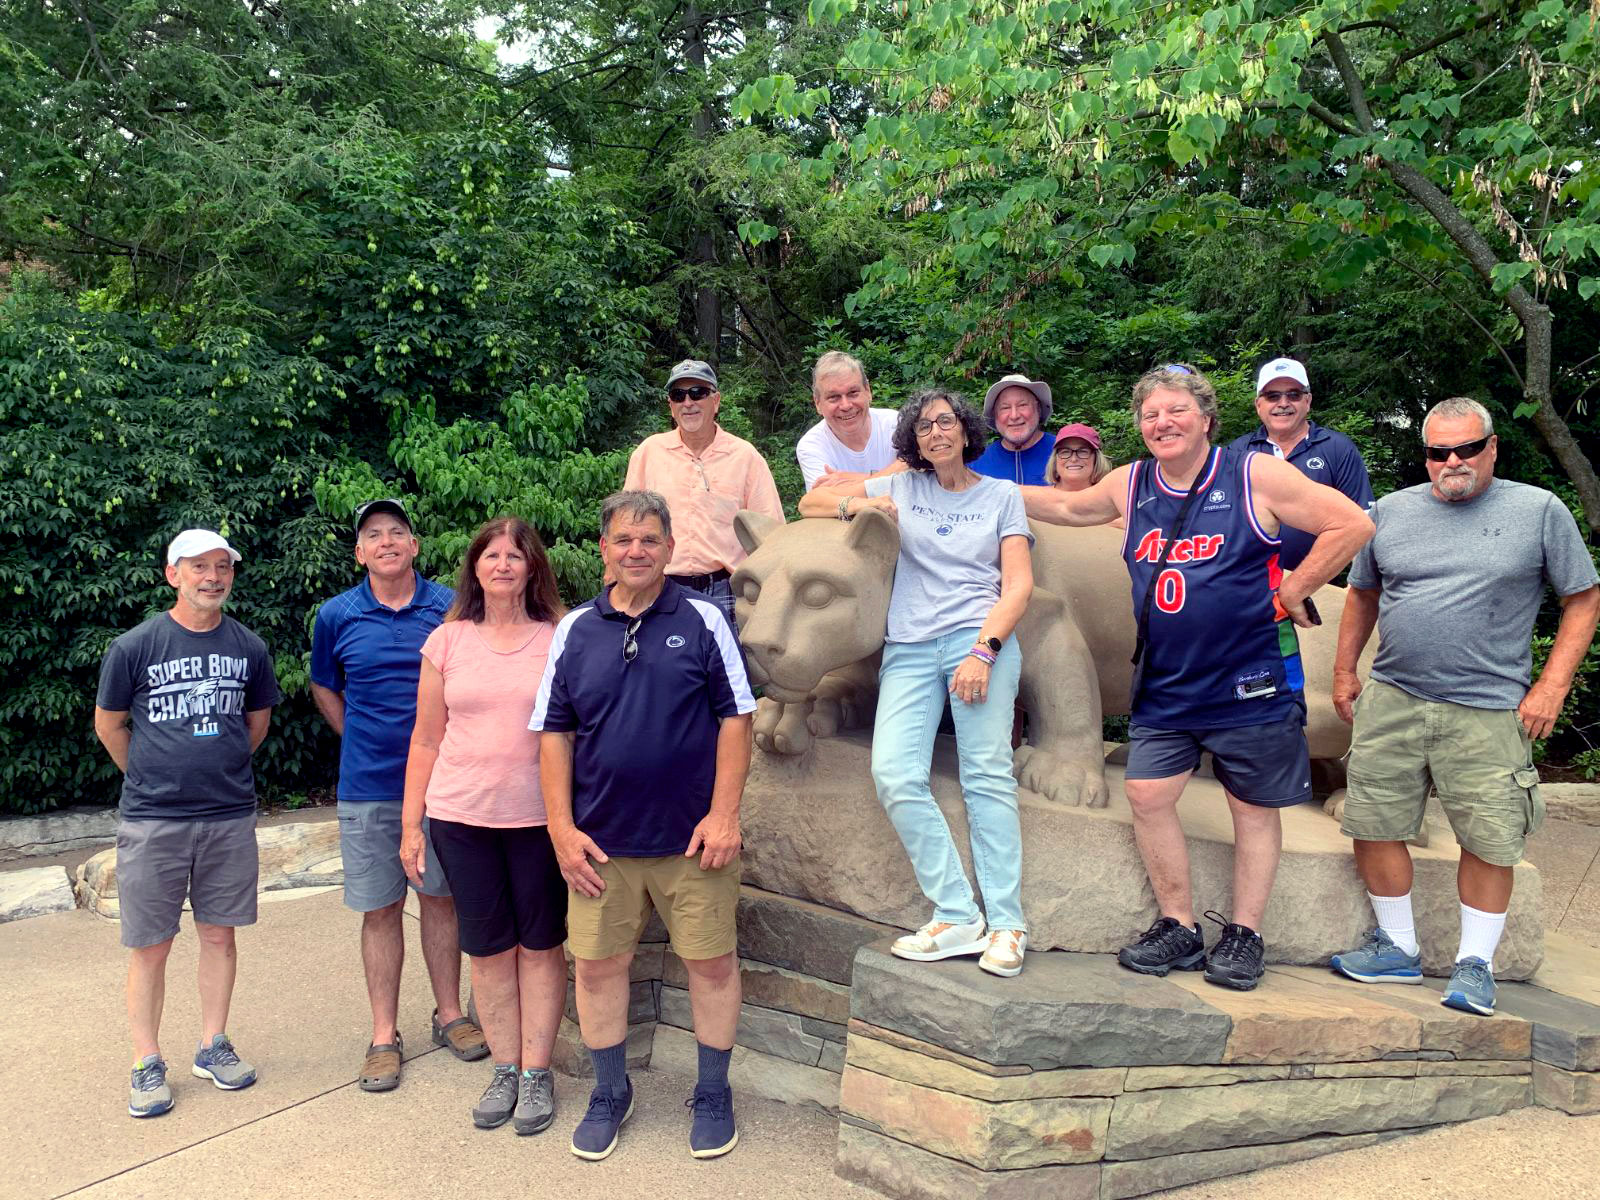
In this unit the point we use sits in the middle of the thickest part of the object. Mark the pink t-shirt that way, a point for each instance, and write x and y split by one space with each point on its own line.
487 772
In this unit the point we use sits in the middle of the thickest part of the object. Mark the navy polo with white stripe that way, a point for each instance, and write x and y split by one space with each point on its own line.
645 750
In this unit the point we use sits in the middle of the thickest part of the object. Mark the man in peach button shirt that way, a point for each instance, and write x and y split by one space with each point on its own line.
707 475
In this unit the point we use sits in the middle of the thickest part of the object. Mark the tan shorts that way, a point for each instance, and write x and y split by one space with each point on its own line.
698 907
1477 759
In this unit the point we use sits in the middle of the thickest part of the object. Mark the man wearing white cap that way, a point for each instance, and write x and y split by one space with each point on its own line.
1016 407
1283 402
184 700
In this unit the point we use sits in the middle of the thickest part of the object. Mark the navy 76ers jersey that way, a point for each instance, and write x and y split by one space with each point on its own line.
1220 651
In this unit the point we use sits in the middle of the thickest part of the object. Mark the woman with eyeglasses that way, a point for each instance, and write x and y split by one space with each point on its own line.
474 770
961 583
1077 462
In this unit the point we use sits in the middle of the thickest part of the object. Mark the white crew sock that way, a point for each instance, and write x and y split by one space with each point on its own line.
1395 919
1480 934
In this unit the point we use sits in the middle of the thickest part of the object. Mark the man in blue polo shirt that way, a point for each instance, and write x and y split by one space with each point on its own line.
1283 402
644 713
365 660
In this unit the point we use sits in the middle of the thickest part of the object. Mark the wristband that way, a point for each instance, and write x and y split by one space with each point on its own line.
844 509
981 655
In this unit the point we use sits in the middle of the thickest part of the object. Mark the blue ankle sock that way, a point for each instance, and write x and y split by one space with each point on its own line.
611 1067
713 1067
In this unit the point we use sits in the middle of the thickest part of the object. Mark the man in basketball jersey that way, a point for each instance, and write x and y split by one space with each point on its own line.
1219 665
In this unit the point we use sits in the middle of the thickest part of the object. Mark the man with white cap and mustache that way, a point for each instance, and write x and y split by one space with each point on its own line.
184 700
1283 402
1016 408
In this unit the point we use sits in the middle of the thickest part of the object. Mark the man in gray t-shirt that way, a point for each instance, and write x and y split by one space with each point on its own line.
1452 581
184 700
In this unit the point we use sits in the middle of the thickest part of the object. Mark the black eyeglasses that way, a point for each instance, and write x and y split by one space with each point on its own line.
630 640
698 392
945 421
1075 452
1292 395
1464 451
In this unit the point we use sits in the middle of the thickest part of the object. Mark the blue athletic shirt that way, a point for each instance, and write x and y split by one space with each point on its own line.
373 654
1220 652
645 755
1016 466
1324 456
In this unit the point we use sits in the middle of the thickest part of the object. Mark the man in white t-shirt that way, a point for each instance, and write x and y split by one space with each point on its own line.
853 440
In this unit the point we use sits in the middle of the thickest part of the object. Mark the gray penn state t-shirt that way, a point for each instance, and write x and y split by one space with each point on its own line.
187 694
948 574
1460 584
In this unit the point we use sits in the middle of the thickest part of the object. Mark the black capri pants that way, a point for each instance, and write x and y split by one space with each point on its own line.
507 886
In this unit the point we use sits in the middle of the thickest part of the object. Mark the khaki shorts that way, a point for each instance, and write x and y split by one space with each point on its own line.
698 907
1477 759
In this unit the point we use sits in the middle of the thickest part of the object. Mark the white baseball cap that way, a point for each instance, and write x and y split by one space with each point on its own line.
193 542
1282 368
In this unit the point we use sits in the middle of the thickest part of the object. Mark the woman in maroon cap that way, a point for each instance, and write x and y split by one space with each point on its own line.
1077 462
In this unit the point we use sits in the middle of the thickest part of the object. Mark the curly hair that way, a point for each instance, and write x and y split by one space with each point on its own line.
541 599
1178 377
905 429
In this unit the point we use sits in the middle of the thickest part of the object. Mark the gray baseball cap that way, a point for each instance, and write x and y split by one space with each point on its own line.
692 368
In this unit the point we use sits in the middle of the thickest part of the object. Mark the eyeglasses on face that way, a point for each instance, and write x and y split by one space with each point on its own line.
1075 452
945 421
1292 395
1464 451
630 640
698 392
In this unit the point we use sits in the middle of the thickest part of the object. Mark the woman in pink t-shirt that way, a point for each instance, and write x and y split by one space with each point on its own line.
474 770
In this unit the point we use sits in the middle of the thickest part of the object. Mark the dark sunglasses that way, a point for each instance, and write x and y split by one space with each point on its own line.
630 640
698 392
1292 395
1464 451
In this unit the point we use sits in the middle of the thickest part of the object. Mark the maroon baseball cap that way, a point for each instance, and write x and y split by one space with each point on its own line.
1079 431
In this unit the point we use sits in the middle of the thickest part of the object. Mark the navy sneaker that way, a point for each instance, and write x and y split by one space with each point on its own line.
1379 960
1471 988
1238 960
596 1135
713 1133
1165 946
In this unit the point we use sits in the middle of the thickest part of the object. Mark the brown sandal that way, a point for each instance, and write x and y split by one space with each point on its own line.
381 1070
462 1037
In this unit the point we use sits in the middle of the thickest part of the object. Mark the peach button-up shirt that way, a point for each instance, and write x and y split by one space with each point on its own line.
703 493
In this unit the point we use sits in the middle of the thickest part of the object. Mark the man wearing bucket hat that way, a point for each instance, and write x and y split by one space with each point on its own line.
1283 402
184 700
1016 408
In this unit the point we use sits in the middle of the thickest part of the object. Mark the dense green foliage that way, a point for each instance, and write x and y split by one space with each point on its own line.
261 262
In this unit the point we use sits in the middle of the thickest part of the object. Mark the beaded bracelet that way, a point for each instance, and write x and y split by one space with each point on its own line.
844 509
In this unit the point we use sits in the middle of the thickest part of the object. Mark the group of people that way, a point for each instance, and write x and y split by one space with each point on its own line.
544 777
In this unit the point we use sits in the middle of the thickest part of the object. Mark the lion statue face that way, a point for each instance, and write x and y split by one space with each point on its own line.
812 597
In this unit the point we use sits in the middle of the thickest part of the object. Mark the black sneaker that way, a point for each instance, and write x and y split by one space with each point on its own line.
1238 959
1165 946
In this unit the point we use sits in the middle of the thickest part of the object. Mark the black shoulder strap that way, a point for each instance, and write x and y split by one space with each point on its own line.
1141 631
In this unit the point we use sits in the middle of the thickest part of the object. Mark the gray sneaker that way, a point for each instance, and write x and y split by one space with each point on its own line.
150 1095
499 1098
536 1101
219 1063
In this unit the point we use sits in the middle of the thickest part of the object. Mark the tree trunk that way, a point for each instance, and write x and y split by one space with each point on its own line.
703 248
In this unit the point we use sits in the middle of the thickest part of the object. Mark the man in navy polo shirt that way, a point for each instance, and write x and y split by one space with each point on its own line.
366 656
1283 402
644 715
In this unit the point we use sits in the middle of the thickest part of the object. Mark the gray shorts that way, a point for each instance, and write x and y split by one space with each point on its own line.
160 863
369 843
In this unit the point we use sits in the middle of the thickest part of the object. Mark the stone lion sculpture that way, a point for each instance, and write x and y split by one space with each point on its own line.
812 601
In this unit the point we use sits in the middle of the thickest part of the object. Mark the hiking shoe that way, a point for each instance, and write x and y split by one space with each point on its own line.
712 1134
1004 954
1238 959
1379 960
499 1099
940 939
536 1101
1165 946
1471 988
596 1135
150 1096
461 1037
218 1063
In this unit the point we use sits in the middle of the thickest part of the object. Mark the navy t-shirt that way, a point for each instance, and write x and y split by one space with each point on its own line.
187 694
1324 456
373 654
1016 466
645 751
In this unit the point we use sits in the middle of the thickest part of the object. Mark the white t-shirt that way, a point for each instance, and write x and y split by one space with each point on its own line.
819 451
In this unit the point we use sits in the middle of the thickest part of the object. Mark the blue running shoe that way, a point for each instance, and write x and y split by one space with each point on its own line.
596 1135
1471 988
1379 960
219 1063
150 1096
713 1133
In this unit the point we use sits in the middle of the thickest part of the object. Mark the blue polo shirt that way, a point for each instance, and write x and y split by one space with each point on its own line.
1322 455
1016 466
373 654
645 751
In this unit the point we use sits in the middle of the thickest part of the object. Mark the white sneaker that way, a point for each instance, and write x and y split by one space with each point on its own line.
1004 955
940 939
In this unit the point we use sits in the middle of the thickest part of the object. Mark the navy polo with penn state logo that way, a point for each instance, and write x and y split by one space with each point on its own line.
645 752
1324 456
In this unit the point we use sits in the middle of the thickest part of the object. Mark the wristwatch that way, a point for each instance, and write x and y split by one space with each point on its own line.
993 643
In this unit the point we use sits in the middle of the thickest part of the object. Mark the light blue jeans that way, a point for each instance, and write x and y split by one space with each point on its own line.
912 688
